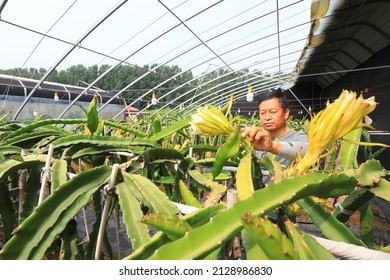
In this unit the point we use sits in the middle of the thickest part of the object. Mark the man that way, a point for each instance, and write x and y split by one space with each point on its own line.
275 136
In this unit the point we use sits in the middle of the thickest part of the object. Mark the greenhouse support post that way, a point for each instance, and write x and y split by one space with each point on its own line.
46 172
108 189
232 246
22 186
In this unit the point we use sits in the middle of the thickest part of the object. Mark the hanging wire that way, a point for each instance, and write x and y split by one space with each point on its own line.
142 31
127 57
203 42
144 75
225 93
213 27
188 92
205 61
230 87
133 37
226 52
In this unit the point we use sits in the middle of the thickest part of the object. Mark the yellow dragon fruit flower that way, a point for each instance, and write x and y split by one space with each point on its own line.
345 114
210 121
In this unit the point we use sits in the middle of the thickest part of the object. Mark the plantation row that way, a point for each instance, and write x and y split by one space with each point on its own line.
150 172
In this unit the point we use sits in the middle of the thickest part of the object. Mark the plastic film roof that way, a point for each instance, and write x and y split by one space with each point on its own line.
263 36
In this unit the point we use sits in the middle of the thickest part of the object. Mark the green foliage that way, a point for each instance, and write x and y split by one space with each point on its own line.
228 150
37 232
162 164
80 75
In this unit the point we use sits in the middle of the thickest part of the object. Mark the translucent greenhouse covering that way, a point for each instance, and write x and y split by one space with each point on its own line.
158 130
244 40
187 53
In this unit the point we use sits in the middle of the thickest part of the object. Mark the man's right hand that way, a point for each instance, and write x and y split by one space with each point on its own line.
261 139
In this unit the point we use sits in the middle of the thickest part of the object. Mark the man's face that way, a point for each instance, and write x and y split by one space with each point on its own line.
272 116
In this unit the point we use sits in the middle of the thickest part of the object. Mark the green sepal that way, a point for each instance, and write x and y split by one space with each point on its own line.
228 150
349 150
227 107
92 116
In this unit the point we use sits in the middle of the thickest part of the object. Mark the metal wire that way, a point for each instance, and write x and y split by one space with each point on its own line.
127 57
190 49
203 42
48 72
188 92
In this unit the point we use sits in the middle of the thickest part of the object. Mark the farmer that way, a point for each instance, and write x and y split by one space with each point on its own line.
275 136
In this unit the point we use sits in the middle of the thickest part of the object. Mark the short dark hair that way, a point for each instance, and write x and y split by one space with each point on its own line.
278 93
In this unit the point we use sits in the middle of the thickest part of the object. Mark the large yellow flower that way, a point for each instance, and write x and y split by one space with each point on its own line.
210 121
339 118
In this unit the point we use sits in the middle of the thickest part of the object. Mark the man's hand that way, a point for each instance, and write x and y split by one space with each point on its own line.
261 139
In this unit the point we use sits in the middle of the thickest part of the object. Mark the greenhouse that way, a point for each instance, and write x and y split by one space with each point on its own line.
194 130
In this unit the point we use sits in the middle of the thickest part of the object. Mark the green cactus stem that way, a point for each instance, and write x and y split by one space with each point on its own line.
216 190
100 141
30 127
225 225
273 243
149 194
77 151
171 225
351 203
329 225
37 232
169 130
9 166
10 150
137 232
125 128
187 195
195 219
69 242
306 246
